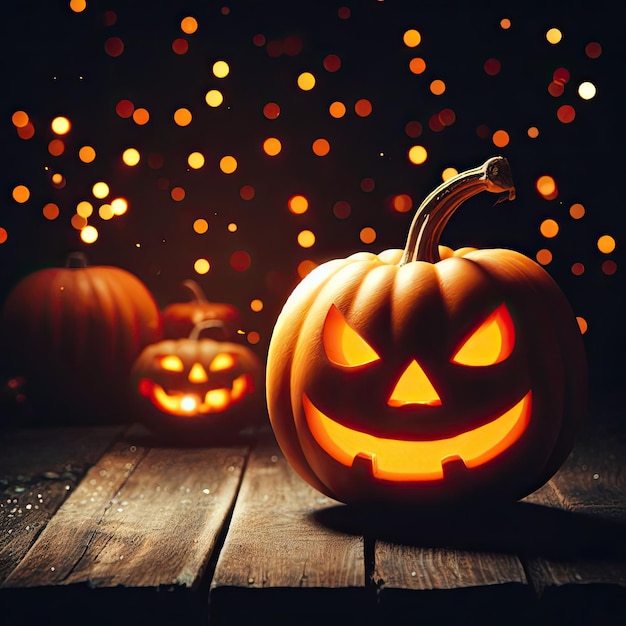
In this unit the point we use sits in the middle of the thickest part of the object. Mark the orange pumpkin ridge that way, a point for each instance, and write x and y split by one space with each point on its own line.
428 375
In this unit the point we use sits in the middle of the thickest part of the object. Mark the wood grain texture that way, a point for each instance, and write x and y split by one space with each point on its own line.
140 518
577 565
39 469
449 570
279 563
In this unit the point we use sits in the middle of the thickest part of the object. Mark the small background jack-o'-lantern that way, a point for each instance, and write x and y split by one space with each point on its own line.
427 375
195 383
179 318
74 332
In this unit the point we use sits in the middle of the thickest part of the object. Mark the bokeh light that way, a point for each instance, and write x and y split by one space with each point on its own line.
87 154
177 194
182 116
500 138
201 266
367 235
189 25
554 35
271 111
21 193
417 65
221 69
84 209
437 87
298 204
141 116
195 160
119 206
100 190
51 211
342 209
61 125
544 256
606 244
321 147
214 98
337 109
418 155
402 203
228 164
412 38
240 260
363 107
577 210
587 90
306 81
549 228
200 226
272 146
546 187
20 119
131 157
566 113
306 239
448 173
89 234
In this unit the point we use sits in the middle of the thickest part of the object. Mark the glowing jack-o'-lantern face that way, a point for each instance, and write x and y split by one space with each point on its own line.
200 390
404 460
194 380
428 375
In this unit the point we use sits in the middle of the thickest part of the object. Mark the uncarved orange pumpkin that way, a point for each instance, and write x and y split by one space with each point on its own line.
426 375
180 318
74 333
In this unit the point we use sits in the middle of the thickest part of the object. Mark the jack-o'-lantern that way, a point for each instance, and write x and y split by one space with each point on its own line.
74 332
427 375
196 383
179 318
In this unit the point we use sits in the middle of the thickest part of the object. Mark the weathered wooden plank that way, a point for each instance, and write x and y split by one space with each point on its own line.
449 568
140 518
39 469
280 564
578 562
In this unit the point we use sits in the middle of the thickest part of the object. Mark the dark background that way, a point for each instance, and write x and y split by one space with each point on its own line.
54 63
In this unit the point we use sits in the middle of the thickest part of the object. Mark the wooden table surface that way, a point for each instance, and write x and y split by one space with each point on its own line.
110 524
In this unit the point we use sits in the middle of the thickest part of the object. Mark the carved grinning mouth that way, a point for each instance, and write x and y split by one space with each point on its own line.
400 460
190 404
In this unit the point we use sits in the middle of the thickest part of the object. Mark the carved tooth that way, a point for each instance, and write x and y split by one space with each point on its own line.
453 466
365 463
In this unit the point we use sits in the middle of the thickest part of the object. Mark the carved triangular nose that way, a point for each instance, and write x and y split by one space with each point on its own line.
197 374
414 387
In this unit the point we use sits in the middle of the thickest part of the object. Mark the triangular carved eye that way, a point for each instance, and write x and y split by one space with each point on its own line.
343 345
490 343
171 363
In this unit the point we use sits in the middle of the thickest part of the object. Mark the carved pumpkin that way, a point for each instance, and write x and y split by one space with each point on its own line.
195 382
74 333
427 375
179 318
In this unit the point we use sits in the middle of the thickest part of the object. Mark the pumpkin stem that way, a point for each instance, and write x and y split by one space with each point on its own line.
195 289
203 325
422 244
76 259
